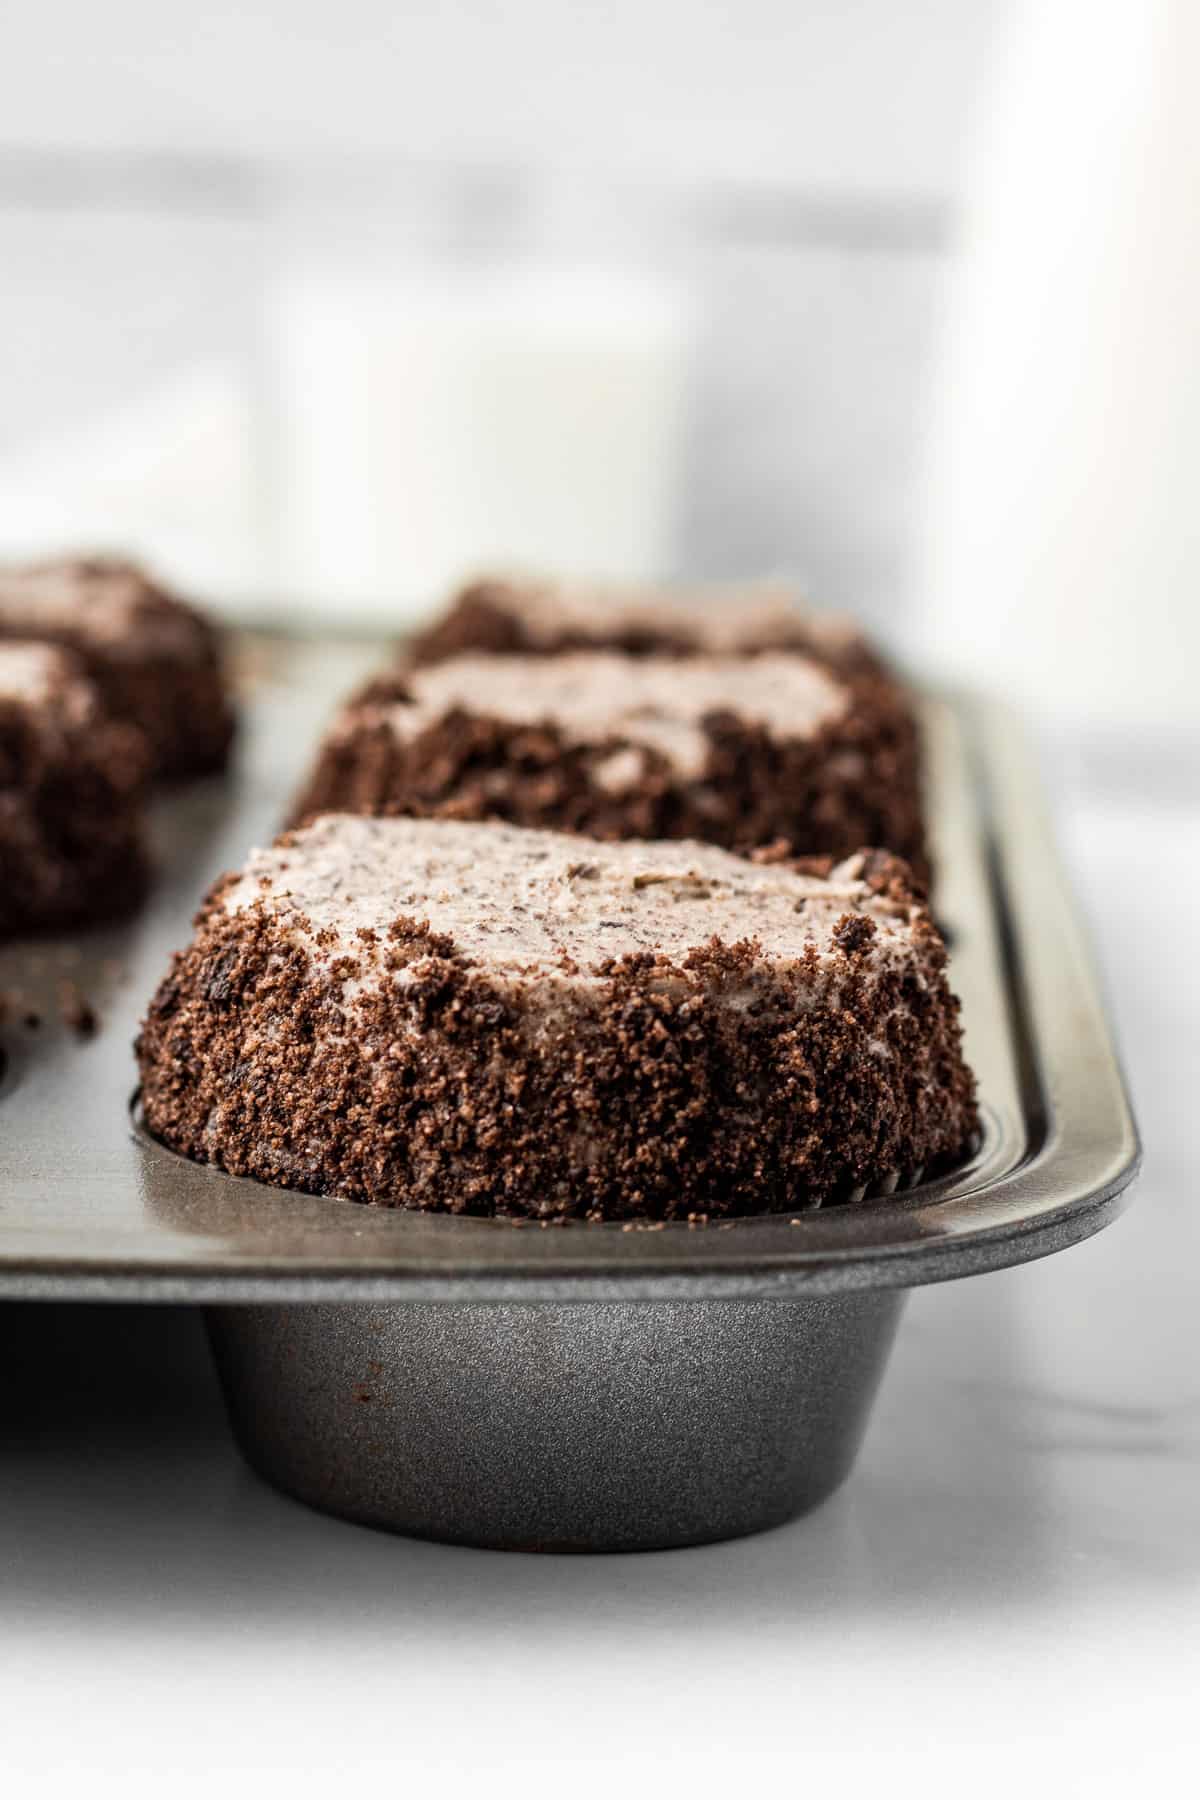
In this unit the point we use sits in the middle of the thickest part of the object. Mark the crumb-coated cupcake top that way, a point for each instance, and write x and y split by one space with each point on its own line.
528 901
655 703
721 618
106 603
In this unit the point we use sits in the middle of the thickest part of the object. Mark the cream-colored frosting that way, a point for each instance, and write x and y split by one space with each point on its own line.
520 900
101 602
722 618
28 671
657 703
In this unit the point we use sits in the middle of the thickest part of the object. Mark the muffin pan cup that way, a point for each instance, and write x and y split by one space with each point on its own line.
606 1425
584 1387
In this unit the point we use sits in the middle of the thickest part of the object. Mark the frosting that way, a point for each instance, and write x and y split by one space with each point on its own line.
657 703
526 900
723 618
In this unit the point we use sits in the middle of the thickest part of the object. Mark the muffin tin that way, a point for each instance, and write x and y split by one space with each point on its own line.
578 1387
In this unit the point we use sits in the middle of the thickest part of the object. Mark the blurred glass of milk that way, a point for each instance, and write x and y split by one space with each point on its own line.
432 421
1062 545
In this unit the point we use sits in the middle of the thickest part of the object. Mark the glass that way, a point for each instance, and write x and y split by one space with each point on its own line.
332 388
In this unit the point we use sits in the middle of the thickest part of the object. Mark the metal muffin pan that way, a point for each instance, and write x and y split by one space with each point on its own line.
581 1387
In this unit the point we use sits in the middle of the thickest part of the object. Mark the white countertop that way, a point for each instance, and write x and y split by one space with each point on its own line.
1008 1588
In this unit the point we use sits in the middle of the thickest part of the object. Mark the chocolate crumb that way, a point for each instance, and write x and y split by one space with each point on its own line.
76 1012
853 932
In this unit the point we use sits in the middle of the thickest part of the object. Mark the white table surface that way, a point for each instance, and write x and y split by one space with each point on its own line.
1008 1589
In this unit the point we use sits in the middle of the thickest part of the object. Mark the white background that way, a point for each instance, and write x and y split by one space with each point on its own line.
148 151
859 94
